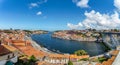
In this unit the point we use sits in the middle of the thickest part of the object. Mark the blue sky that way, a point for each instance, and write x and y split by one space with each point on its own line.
52 14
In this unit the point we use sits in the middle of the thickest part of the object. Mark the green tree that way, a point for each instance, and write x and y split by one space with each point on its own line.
70 63
33 59
101 59
80 52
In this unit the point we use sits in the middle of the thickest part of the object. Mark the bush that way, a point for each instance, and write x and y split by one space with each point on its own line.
70 63
33 59
80 52
101 59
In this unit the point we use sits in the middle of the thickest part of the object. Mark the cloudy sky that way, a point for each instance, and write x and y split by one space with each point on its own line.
59 14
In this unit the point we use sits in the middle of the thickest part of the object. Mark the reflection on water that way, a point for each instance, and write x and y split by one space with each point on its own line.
66 46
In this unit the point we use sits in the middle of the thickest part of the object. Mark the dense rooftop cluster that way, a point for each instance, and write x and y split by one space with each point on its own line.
19 41
79 35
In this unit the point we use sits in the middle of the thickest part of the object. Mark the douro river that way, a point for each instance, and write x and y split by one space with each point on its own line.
67 46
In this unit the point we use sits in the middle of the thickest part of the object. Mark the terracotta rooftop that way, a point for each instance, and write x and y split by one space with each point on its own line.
58 56
98 64
115 52
29 50
18 41
4 50
79 57
11 48
45 63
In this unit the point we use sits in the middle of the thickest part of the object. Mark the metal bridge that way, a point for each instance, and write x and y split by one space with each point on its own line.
111 39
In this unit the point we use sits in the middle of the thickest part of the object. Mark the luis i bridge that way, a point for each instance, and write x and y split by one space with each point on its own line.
111 39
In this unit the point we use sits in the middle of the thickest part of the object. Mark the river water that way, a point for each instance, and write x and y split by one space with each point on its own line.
67 46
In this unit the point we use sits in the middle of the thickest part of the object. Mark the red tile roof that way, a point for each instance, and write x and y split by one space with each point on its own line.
3 50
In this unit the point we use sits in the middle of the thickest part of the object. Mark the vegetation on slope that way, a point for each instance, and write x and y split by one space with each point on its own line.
80 52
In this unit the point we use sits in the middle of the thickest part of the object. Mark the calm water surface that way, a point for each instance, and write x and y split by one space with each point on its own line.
67 46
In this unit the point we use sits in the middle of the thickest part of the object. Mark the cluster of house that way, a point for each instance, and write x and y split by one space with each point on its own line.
14 44
8 54
82 35
79 35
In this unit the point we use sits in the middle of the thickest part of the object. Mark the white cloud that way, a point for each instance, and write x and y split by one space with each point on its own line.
33 5
72 26
81 3
36 4
117 4
97 20
39 13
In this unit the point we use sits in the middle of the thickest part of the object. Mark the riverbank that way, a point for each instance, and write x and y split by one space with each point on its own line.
54 58
37 46
67 46
98 56
76 35
75 39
